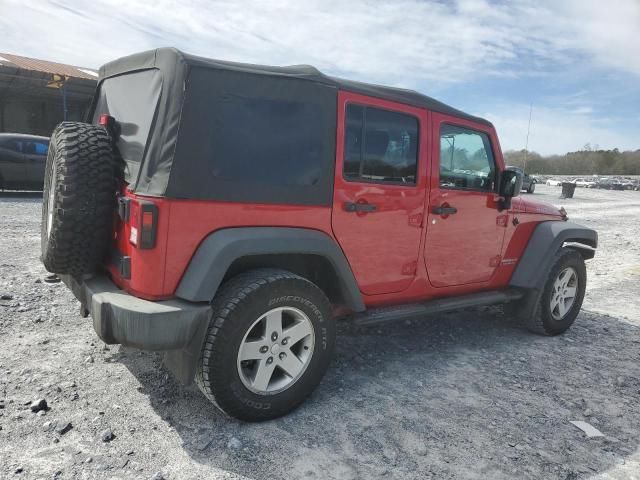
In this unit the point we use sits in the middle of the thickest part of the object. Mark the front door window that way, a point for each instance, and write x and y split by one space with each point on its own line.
466 159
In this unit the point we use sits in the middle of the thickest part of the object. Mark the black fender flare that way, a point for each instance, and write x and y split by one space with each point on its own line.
221 248
547 238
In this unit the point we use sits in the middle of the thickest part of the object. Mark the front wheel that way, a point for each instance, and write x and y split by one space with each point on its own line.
562 296
531 188
269 343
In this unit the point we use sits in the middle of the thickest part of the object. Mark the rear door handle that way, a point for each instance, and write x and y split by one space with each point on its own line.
444 210
359 207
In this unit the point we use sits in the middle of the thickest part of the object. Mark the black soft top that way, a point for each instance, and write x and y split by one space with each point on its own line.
166 58
184 121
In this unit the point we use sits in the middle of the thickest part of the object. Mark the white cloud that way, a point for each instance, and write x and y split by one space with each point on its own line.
399 42
424 44
555 130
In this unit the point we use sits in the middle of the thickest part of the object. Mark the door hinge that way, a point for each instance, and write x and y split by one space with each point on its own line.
416 220
124 207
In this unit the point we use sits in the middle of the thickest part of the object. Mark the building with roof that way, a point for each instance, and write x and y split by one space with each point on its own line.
36 95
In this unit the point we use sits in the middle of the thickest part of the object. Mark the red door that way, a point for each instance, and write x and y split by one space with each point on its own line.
465 229
379 192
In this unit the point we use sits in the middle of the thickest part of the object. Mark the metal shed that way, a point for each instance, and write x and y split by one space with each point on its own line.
36 95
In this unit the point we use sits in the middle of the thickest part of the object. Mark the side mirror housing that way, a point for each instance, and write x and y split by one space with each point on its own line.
510 185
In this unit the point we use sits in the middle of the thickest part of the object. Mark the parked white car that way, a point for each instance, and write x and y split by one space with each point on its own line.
554 182
584 182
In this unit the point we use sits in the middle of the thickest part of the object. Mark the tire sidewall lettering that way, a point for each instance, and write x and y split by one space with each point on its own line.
287 300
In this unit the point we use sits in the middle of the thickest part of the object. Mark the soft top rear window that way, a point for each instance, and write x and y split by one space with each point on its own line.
132 99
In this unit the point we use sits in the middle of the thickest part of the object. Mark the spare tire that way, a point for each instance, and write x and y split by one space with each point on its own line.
79 199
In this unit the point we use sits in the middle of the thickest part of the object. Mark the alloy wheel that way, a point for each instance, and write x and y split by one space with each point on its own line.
563 295
276 350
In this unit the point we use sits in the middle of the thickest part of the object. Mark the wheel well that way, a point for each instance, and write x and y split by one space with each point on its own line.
314 268
587 251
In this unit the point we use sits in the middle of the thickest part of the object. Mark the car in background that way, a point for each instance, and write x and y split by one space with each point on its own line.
610 184
584 182
22 161
627 183
540 178
554 182
528 181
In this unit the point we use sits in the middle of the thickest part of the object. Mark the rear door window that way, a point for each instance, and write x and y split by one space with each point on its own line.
380 145
11 145
35 148
41 148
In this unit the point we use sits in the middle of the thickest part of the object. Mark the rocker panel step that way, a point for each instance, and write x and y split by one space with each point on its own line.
377 316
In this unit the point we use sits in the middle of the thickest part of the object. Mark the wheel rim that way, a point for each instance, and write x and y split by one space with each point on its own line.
563 296
276 350
51 199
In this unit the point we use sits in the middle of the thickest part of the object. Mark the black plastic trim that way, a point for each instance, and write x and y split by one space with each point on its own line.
220 249
121 318
439 305
124 267
548 238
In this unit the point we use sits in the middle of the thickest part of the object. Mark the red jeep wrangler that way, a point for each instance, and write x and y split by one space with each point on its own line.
226 214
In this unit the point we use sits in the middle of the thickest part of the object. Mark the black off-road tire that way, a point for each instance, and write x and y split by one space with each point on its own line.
241 301
532 188
542 321
79 191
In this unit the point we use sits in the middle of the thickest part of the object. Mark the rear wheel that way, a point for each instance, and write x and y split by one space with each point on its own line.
269 343
562 296
531 188
78 198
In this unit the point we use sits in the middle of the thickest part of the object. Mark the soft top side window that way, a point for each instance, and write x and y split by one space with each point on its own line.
466 159
380 145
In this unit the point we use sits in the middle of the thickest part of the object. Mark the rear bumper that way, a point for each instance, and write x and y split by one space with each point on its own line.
120 318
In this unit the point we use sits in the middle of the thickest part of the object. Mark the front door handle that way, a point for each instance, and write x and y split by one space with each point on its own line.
359 207
444 210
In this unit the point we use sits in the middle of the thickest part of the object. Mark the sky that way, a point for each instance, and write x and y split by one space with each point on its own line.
577 62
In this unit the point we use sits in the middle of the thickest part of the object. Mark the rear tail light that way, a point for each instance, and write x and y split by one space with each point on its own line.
148 225
106 120
110 123
144 224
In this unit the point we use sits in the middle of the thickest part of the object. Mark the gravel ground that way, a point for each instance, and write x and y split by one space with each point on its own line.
462 395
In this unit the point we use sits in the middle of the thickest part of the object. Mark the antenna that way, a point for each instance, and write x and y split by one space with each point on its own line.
526 146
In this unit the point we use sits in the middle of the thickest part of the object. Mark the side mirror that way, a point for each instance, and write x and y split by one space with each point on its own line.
510 186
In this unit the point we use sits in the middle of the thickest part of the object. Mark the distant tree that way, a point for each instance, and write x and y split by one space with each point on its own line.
588 161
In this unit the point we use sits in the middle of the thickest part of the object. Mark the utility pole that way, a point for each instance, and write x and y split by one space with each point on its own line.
526 146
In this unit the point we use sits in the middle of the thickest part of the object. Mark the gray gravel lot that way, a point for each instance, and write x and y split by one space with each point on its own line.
461 395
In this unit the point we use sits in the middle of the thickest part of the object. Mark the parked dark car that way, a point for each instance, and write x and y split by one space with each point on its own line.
528 181
22 161
610 184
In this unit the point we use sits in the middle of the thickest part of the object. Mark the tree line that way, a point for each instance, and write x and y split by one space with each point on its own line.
588 161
